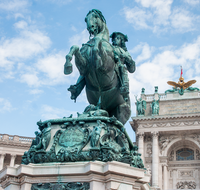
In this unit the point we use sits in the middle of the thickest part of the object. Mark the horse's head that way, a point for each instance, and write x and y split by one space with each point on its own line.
95 22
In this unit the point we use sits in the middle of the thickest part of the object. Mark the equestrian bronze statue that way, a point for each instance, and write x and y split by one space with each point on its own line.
102 68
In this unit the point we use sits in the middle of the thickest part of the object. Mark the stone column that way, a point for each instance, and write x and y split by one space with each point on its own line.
26 186
2 156
165 174
12 160
155 159
174 178
141 145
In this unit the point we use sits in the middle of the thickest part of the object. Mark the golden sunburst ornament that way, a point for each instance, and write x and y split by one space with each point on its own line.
181 85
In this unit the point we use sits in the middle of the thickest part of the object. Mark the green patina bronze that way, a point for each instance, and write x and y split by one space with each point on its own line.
143 91
141 106
90 136
61 186
155 107
98 133
181 90
102 68
174 89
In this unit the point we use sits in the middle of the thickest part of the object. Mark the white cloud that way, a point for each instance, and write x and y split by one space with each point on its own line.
79 39
60 2
162 9
137 17
5 105
192 2
13 5
49 69
52 66
190 51
160 16
165 66
31 79
145 50
48 112
182 20
36 91
18 15
26 45
21 24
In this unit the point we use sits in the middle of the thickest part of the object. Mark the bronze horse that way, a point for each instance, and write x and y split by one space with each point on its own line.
95 62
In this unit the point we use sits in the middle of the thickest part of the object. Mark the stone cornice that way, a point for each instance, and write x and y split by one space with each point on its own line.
165 117
166 121
14 144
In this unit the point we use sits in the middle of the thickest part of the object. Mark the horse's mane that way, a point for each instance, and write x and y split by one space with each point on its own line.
98 13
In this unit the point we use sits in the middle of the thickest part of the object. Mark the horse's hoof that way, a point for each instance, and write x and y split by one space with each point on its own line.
68 68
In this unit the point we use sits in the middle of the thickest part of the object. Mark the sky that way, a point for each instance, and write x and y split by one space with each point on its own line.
35 37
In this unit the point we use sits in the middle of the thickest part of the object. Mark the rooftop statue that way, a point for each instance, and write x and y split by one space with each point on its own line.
141 106
181 85
155 106
102 69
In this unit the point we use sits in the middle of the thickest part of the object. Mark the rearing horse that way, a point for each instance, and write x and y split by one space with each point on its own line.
95 62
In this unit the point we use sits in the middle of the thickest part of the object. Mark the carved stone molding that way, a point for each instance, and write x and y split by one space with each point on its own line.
197 155
9 180
171 156
165 140
168 124
196 137
186 173
184 165
148 170
186 185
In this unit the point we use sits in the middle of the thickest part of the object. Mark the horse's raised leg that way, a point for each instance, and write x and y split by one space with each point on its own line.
80 60
68 65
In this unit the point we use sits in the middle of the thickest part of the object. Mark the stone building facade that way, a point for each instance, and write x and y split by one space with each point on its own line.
170 140
12 148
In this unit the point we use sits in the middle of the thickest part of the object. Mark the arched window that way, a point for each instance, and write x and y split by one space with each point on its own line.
185 154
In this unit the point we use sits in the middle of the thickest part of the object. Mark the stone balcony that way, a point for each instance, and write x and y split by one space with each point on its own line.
12 147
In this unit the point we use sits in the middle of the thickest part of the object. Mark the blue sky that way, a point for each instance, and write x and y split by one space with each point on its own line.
36 35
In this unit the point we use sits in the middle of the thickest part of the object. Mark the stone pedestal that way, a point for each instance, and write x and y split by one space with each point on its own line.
100 175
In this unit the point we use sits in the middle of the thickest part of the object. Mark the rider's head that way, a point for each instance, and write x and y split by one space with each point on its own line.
119 39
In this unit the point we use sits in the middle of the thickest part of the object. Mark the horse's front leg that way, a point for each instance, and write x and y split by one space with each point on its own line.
68 65
98 53
80 61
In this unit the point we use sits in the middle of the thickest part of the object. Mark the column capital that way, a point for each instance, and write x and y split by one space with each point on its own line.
155 134
140 134
165 164
2 154
13 155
